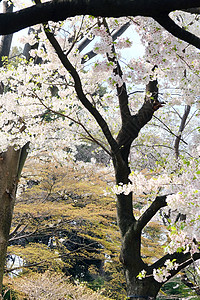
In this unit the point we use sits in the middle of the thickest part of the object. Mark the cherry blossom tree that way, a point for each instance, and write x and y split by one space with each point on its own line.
67 90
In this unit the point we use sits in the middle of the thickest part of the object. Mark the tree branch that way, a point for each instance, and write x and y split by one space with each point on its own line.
57 10
182 259
26 235
157 204
92 138
169 130
133 125
166 22
54 257
181 128
79 90
89 55
22 159
121 90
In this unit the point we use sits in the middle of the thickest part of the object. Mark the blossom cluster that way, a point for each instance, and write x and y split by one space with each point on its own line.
181 241
177 63
123 43
161 274
141 183
105 44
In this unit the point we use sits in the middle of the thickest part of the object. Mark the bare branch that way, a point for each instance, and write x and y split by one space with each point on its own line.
55 257
14 238
15 231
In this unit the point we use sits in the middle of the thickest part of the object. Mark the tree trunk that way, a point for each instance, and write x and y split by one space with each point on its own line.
130 255
9 163
6 40
5 43
141 289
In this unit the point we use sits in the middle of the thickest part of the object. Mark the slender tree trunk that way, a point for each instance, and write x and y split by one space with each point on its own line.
181 129
6 40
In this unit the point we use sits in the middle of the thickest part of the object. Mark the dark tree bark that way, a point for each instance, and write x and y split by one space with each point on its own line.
181 129
5 43
57 10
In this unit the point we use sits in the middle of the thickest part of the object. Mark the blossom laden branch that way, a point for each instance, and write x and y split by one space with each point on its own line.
89 55
121 88
169 130
79 90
